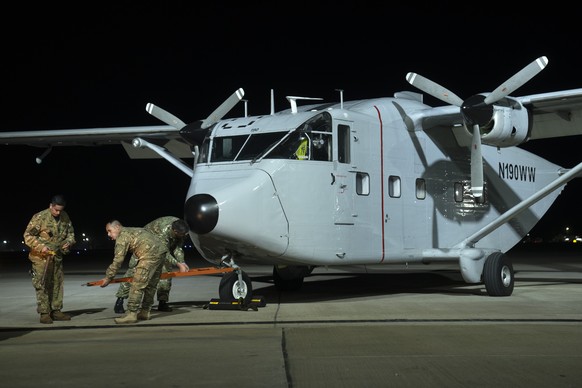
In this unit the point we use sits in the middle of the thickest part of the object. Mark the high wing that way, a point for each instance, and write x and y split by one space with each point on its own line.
163 141
554 114
86 136
163 135
169 137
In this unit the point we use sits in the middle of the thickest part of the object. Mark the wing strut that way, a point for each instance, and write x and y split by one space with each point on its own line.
523 205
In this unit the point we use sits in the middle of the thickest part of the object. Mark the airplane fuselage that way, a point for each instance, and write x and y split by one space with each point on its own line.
369 191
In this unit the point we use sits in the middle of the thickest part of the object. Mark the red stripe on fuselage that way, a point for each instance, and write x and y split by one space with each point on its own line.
381 180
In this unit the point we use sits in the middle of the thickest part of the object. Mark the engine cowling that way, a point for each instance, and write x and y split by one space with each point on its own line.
509 125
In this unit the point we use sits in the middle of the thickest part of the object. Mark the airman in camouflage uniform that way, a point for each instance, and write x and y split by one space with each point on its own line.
150 253
50 236
173 232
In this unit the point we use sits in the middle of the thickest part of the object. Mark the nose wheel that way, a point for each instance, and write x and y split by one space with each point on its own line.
234 286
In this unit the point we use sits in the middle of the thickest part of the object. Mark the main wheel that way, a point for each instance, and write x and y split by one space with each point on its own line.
498 275
290 278
231 288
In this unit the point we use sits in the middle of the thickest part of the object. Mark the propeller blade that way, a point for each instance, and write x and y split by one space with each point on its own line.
518 80
164 116
223 109
434 89
476 163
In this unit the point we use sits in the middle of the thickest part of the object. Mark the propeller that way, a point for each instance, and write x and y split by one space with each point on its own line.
223 109
477 110
195 132
213 118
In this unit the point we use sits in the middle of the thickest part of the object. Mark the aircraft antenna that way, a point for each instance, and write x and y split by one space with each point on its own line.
341 92
272 102
246 108
44 154
293 101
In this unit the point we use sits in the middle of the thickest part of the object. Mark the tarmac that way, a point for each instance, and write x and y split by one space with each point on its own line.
407 328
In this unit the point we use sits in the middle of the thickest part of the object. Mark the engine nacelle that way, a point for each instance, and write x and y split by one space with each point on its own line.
509 125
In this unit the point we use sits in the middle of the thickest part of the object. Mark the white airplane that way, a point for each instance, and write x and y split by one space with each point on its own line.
361 184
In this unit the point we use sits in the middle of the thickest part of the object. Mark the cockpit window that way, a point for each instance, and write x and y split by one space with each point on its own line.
312 140
244 147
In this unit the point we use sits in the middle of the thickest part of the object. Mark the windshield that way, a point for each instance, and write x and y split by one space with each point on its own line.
310 141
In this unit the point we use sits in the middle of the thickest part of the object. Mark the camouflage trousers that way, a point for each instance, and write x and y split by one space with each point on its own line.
48 282
164 285
143 287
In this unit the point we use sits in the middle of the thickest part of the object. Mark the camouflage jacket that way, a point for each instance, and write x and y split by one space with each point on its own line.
44 230
143 244
162 227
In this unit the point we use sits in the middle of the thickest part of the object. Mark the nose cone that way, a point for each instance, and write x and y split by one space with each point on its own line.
201 213
235 209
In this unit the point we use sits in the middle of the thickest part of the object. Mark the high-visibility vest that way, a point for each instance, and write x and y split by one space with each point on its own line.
302 150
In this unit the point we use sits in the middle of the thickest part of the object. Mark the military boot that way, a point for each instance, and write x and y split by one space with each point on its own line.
60 316
45 318
130 317
163 306
119 306
143 315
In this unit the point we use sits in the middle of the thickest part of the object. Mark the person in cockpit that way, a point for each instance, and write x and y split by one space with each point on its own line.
302 151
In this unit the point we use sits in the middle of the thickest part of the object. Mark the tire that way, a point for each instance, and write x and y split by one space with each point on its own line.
284 282
498 275
231 289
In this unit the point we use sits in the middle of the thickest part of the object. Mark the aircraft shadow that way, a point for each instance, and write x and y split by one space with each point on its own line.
329 287
325 288
76 313
337 287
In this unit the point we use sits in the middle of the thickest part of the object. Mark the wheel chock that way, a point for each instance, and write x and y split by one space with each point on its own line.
254 304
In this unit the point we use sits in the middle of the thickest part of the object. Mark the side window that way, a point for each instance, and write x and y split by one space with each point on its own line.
394 186
312 140
321 138
322 147
420 188
362 183
343 143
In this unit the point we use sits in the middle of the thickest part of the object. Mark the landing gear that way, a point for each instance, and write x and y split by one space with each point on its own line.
290 277
498 275
232 288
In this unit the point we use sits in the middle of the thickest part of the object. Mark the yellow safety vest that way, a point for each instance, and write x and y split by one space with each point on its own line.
302 150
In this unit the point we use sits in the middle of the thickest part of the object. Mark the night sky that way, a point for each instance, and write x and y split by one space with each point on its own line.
98 66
